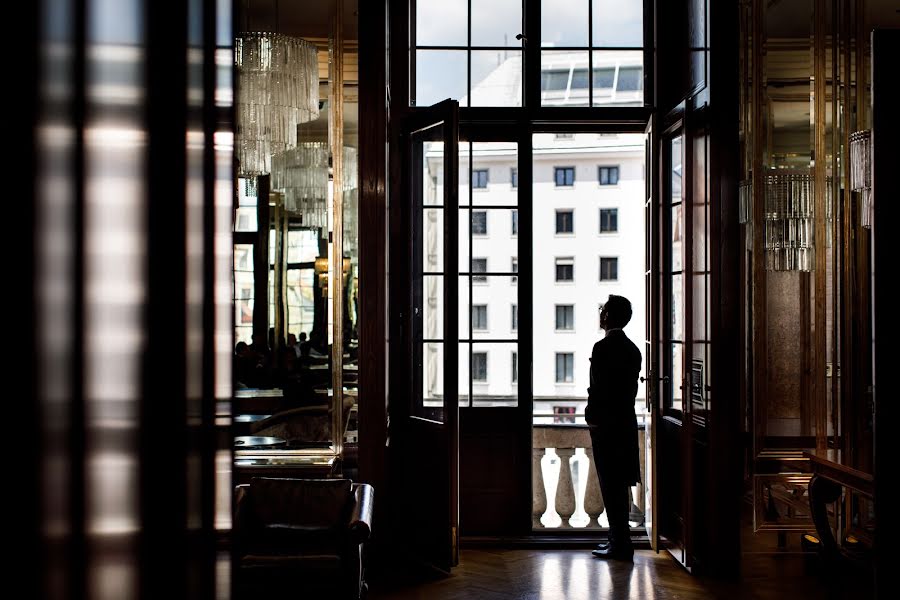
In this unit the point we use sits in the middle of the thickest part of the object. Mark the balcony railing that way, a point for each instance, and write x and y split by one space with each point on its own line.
565 488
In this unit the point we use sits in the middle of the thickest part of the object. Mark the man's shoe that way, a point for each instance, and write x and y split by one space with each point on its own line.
614 553
603 546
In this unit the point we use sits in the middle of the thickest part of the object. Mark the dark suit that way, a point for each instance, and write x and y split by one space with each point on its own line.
615 367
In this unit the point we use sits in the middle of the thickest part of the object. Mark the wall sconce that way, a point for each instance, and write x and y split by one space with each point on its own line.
790 198
861 174
278 88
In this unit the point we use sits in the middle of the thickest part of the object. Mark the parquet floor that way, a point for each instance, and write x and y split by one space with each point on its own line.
540 574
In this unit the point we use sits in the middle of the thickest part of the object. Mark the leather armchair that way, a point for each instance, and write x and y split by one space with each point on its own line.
301 537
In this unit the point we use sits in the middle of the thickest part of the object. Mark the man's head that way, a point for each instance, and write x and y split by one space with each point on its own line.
292 339
616 313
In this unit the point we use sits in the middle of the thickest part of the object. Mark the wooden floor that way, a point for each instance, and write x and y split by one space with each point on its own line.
538 574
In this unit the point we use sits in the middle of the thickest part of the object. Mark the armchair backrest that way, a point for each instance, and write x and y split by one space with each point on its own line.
305 503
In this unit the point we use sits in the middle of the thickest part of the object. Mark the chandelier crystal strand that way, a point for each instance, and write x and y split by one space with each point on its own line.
351 203
789 220
278 88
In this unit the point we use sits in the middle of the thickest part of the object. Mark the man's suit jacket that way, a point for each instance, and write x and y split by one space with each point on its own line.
615 368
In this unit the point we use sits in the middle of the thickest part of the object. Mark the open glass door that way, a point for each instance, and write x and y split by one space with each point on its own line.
432 423
651 339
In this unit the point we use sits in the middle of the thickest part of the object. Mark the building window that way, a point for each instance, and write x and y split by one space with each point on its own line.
565 221
609 220
515 367
599 310
565 362
479 317
630 79
514 177
565 317
564 176
479 366
479 265
565 269
479 179
608 175
515 222
609 269
514 267
570 136
514 326
479 222
563 414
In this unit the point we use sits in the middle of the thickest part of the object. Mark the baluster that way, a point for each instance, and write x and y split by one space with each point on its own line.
565 491
538 495
593 499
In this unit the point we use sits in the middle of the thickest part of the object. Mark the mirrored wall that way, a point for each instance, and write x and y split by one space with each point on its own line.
296 257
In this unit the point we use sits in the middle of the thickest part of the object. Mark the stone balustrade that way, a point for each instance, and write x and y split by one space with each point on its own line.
565 489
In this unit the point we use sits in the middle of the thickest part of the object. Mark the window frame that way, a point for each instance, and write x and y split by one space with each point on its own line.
615 212
616 263
565 170
556 311
557 264
485 232
561 211
487 178
568 368
609 170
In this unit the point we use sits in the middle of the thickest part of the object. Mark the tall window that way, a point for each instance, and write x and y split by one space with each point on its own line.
479 265
479 222
515 367
565 221
459 45
514 267
565 367
479 179
480 366
479 317
608 175
609 220
564 176
565 317
514 315
514 177
609 268
565 269
515 221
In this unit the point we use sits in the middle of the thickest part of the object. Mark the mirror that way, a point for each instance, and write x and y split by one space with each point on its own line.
299 345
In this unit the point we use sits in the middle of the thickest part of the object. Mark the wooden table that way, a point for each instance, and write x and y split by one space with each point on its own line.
830 476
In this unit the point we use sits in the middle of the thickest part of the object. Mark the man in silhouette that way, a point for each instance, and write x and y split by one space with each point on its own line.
615 366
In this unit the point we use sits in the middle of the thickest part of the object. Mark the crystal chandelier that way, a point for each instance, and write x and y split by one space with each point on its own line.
278 88
301 174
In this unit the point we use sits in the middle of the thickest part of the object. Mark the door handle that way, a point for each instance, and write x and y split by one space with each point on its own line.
663 378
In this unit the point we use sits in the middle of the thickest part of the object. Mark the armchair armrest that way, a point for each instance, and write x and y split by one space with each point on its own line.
360 526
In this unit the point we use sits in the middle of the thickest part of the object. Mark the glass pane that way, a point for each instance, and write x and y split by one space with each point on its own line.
564 23
496 23
676 382
492 371
564 80
433 174
245 218
496 78
495 296
618 78
698 301
618 22
300 302
464 216
496 158
463 305
677 237
433 240
432 307
441 22
303 246
465 358
678 307
432 382
441 74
